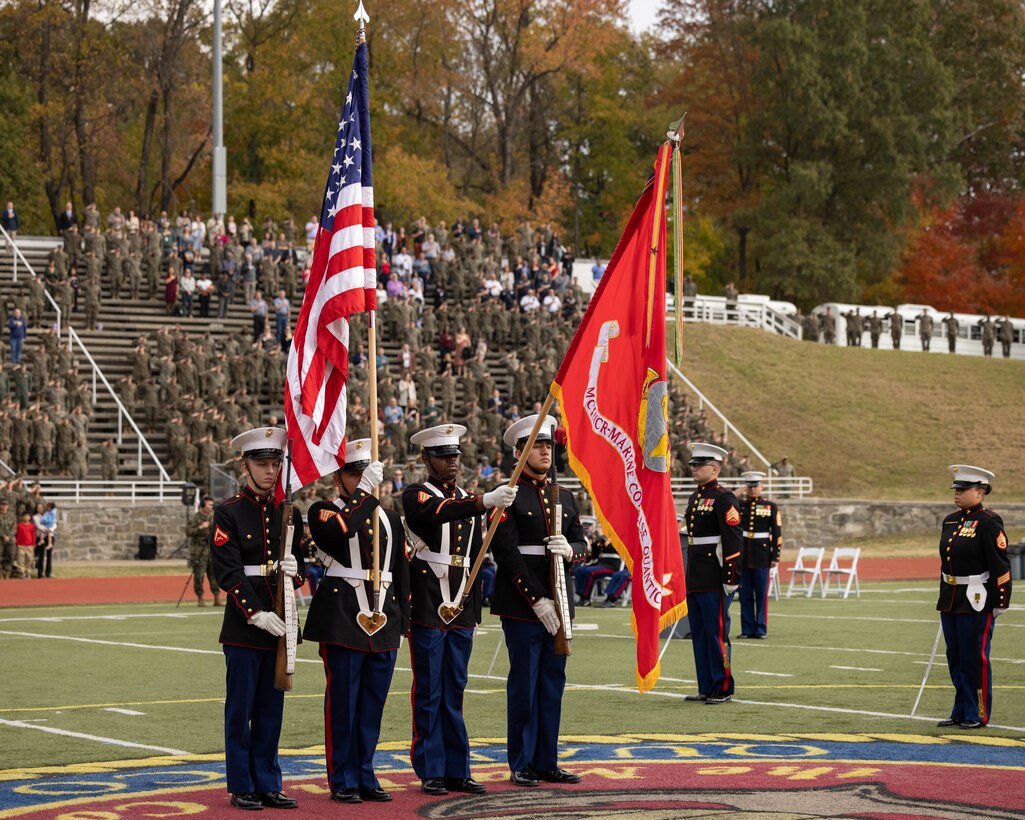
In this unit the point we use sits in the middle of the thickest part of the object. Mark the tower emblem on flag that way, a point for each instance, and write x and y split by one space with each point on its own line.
653 423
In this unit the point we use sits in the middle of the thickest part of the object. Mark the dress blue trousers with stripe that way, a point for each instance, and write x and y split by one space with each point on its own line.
441 747
585 575
252 721
709 614
537 678
754 601
968 638
357 687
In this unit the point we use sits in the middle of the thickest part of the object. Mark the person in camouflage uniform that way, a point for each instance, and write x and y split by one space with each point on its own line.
8 550
198 532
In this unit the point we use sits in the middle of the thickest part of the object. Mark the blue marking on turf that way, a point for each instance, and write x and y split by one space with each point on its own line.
37 791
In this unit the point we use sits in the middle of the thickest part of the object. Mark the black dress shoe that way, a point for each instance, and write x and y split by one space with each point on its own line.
747 636
464 784
277 800
375 795
558 776
434 785
949 722
524 778
695 697
972 724
760 637
718 699
346 796
249 802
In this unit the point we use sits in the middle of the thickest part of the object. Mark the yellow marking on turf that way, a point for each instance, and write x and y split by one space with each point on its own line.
979 740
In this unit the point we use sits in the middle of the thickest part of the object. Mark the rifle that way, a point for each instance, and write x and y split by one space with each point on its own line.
557 569
284 665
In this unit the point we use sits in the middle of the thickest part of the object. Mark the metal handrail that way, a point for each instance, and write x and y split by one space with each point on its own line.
16 252
73 338
727 424
7 467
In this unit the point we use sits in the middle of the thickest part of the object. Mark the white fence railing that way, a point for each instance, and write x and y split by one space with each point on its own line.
119 491
762 315
774 486
16 254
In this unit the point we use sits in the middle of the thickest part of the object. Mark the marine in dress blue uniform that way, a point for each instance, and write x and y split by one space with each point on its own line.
761 523
523 547
359 659
243 547
447 523
714 545
975 589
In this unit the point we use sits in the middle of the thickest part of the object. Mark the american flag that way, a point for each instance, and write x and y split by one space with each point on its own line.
343 281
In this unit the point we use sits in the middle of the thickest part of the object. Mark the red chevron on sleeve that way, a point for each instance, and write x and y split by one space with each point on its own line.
220 536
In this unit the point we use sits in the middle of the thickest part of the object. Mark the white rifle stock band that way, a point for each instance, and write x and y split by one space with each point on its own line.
497 515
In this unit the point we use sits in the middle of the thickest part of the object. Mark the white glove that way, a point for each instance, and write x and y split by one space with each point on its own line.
558 545
546 614
500 496
288 565
268 622
729 589
998 611
371 477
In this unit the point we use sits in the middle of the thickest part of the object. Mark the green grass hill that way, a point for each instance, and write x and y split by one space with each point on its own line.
866 423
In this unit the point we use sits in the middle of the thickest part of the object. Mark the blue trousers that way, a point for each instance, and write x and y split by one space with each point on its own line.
357 686
709 614
754 601
487 579
440 657
537 678
617 584
252 721
585 576
968 638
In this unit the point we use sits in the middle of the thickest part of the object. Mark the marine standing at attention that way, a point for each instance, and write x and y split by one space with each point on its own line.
714 544
447 522
358 652
975 589
524 547
244 545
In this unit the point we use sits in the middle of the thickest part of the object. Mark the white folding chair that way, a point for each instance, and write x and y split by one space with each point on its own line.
808 568
836 567
774 582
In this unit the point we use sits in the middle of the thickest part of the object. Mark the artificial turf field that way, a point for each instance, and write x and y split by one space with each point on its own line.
92 684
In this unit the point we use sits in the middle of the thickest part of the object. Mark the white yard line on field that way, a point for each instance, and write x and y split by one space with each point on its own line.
20 724
857 668
774 674
122 711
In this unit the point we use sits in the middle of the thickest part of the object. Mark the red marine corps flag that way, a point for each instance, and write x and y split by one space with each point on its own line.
614 400
343 281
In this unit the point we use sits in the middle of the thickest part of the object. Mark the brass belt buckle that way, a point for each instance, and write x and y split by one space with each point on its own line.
457 560
951 579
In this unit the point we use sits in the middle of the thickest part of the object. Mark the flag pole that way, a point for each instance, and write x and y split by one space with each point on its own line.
362 18
496 516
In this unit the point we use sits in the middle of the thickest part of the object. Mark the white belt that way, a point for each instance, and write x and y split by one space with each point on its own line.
338 571
605 555
957 580
532 549
259 569
441 558
705 539
757 534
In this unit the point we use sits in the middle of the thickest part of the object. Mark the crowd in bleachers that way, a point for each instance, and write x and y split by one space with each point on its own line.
472 326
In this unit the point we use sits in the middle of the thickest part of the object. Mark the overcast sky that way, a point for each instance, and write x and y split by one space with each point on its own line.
643 13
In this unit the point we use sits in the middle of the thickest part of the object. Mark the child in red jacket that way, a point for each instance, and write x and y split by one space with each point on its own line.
25 540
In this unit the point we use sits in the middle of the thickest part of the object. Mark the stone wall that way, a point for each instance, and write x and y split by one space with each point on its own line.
87 532
822 522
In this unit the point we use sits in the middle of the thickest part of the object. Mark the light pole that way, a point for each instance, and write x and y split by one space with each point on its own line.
219 199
